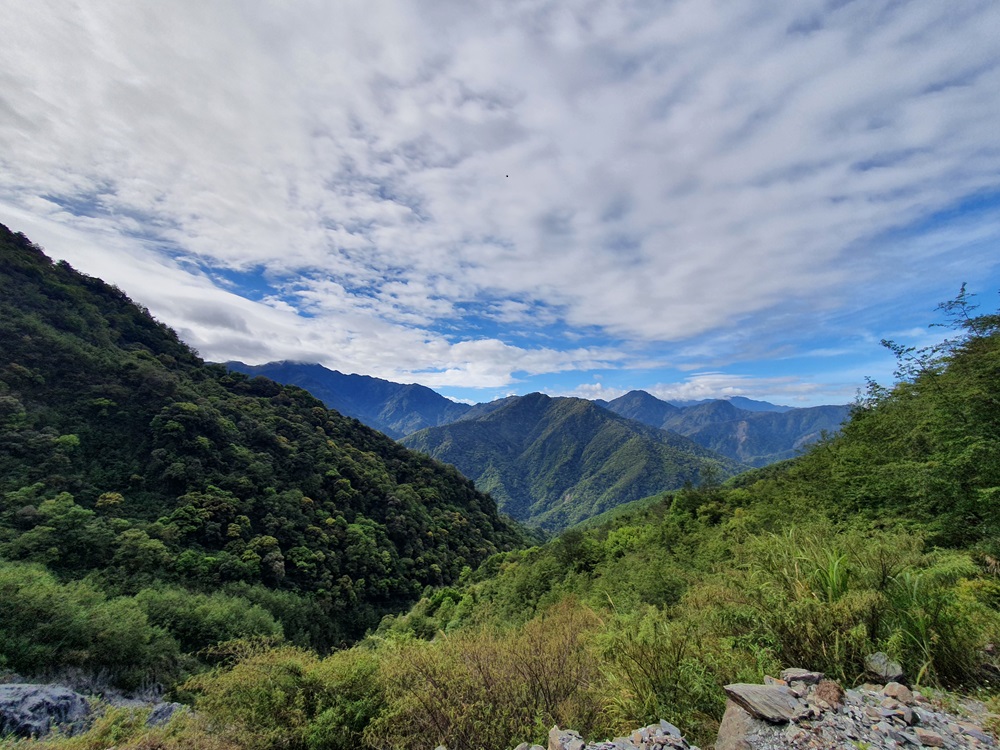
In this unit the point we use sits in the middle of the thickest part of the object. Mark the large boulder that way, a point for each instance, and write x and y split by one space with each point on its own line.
883 669
33 710
736 728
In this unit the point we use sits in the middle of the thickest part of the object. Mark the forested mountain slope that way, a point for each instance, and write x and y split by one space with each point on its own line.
123 455
756 435
392 408
555 461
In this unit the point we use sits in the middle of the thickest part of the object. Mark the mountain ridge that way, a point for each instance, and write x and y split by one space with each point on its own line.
396 409
756 438
123 454
552 461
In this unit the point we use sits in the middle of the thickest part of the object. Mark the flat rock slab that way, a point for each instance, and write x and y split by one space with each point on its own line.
32 710
900 692
776 704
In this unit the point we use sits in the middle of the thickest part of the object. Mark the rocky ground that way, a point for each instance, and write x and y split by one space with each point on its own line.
802 709
33 710
799 710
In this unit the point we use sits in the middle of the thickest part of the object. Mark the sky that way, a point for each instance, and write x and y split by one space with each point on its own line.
696 198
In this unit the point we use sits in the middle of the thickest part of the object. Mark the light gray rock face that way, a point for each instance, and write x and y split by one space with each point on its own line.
661 736
736 729
564 739
883 669
33 710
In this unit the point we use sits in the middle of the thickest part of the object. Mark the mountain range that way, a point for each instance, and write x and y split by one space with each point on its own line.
552 462
744 430
754 436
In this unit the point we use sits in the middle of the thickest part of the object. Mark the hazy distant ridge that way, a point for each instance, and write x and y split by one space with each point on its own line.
757 436
393 408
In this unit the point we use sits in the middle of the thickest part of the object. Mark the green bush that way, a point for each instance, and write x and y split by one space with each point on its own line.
482 688
198 621
288 697
824 599
48 626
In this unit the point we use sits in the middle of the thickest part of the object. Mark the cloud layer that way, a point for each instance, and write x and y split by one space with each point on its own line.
463 193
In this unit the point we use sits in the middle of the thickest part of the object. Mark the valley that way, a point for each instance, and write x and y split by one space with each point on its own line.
303 581
553 462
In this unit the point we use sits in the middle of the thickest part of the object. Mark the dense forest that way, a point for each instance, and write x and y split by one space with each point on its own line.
127 459
127 462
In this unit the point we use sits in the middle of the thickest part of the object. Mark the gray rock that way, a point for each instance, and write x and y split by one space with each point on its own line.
164 712
802 675
978 734
669 728
883 669
929 738
565 739
623 743
32 710
774 703
736 727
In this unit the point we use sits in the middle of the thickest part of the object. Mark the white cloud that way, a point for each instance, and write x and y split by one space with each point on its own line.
593 392
657 171
224 326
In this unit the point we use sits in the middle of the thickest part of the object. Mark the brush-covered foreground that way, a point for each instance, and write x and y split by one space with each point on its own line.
883 538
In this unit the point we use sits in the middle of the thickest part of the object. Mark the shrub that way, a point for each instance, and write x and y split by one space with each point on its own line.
125 729
288 697
49 626
487 689
201 620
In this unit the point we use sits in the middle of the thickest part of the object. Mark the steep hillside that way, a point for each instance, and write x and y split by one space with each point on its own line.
751 432
392 408
122 454
555 461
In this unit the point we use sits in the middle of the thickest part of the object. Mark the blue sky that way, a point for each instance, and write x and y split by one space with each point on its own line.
695 197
